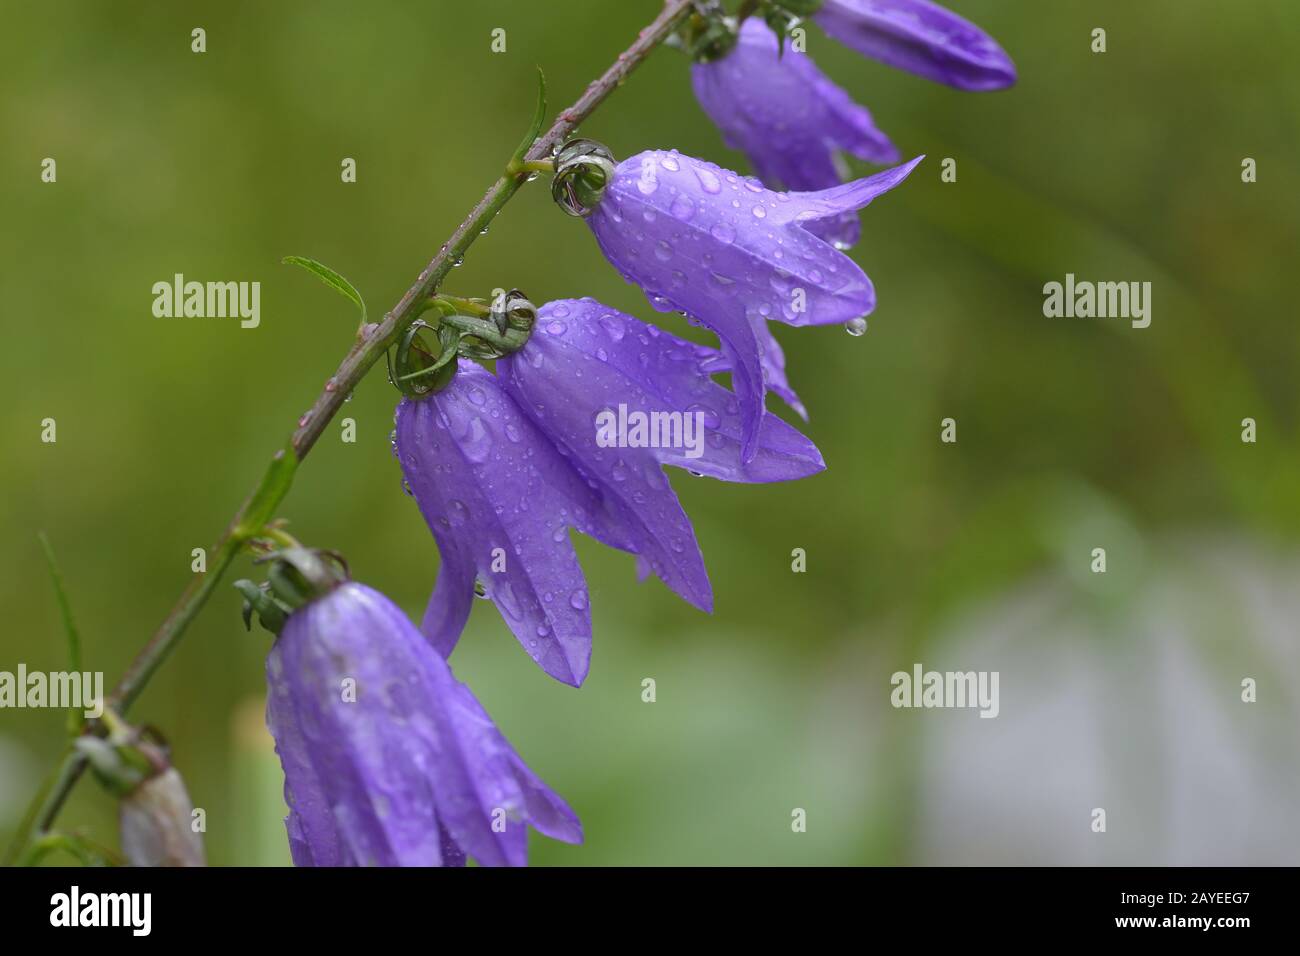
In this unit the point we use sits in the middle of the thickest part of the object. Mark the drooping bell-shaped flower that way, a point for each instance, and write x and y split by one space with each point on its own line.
621 399
789 118
731 253
388 760
500 499
922 38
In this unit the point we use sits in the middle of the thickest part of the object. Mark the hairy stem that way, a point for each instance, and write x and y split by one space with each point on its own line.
365 352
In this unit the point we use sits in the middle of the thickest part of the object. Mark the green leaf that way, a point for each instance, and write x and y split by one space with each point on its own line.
275 485
539 117
69 625
330 278
85 851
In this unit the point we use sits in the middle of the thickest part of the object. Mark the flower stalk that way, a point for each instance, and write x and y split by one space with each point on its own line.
373 341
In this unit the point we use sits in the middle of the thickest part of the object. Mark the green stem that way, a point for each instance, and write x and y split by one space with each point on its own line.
259 508
464 306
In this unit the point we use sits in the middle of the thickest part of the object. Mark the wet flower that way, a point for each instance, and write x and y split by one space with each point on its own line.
732 254
621 399
922 38
499 499
388 760
789 119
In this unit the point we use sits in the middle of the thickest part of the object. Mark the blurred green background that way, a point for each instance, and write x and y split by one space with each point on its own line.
1118 690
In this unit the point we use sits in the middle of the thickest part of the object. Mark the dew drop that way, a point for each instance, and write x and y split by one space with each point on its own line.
708 181
855 327
710 417
723 233
476 442
614 326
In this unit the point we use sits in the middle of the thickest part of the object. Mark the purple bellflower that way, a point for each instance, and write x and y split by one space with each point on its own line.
731 254
621 399
922 38
789 119
408 770
574 431
499 499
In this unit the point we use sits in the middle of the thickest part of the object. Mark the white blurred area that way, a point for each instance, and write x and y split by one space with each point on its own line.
1132 704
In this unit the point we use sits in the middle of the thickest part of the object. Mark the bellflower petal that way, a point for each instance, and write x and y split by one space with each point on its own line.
772 359
499 499
729 252
922 38
622 398
407 770
789 118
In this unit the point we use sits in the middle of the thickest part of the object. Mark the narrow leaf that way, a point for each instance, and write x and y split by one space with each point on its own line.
275 485
539 117
69 625
330 278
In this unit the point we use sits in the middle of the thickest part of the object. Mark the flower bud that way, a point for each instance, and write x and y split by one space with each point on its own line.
156 824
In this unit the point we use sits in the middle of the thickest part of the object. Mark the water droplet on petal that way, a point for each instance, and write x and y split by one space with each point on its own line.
578 600
855 326
710 419
476 442
723 233
457 513
708 181
613 325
